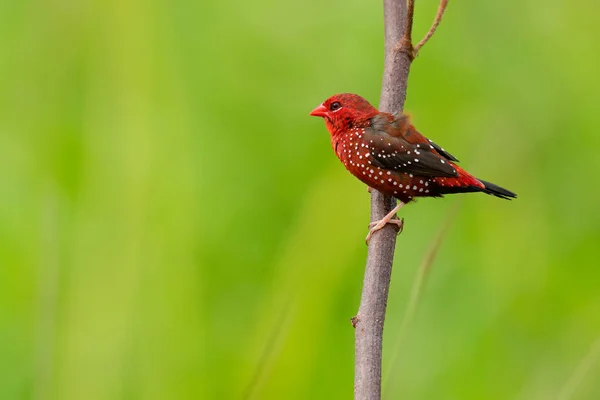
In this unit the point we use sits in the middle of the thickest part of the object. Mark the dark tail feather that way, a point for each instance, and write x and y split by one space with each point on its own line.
497 191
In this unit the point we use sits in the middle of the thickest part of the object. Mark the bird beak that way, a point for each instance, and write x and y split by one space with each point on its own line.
320 111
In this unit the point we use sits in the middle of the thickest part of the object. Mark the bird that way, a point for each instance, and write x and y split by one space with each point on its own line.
386 152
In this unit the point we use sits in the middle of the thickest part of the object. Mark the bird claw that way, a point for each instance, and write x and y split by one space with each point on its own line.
398 222
377 225
390 218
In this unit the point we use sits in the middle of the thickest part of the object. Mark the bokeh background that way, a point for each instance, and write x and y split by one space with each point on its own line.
173 224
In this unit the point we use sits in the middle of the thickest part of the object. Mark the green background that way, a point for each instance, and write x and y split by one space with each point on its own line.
173 224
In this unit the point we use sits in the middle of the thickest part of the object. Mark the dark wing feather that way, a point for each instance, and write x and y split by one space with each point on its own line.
443 152
399 126
397 154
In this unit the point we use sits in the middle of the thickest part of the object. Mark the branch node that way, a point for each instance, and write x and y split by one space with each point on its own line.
354 320
405 46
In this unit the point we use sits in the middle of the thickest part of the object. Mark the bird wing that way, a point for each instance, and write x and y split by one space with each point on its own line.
400 126
397 154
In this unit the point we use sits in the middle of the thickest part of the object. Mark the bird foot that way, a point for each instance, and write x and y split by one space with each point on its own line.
388 219
377 225
398 222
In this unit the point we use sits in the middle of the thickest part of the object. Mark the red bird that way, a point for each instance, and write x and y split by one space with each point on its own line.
387 153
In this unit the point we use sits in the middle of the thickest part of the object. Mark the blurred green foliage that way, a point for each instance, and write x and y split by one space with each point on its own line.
173 225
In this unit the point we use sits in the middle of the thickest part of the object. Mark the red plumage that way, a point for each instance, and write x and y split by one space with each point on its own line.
387 153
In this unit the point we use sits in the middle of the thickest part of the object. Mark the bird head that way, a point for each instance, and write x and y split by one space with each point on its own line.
344 111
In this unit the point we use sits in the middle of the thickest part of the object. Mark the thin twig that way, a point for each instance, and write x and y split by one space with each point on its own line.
436 22
410 13
417 290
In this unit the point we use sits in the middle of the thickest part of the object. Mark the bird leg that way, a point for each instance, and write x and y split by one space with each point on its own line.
388 219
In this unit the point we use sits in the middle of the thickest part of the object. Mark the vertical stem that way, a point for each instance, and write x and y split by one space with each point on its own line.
397 62
371 314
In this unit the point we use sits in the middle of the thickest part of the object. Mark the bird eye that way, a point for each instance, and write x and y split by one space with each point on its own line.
335 106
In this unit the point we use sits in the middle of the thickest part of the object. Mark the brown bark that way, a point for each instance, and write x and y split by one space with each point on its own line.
369 321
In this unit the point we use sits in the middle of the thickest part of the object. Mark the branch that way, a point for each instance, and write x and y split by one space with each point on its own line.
368 323
436 22
371 313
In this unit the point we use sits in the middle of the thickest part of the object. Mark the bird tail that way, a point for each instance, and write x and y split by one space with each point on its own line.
497 191
466 183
